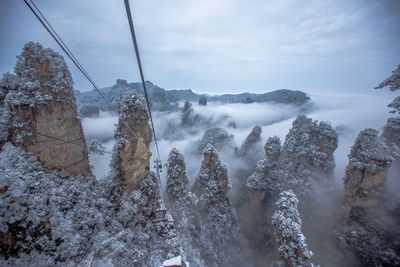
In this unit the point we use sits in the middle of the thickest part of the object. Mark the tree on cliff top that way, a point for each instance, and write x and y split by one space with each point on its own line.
393 82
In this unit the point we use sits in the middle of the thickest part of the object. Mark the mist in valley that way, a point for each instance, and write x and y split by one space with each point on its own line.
319 209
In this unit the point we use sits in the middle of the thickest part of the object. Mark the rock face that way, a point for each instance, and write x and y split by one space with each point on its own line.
305 157
292 247
251 140
272 148
50 218
167 100
39 98
132 150
97 147
369 161
391 134
212 184
177 180
393 81
311 144
373 235
203 101
186 114
217 137
205 219
221 242
90 111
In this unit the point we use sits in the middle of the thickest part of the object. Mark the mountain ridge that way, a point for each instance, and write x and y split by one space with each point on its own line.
167 100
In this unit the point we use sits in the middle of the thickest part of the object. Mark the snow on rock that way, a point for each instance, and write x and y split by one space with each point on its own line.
252 139
292 246
177 180
90 111
52 218
39 98
391 135
220 241
132 149
205 219
217 137
393 81
212 183
183 207
369 161
97 147
311 143
305 157
272 148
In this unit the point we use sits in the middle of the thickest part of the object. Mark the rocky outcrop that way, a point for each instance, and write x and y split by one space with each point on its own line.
220 239
217 137
305 157
212 183
183 206
391 137
393 81
167 100
177 180
292 246
252 139
203 101
50 218
373 235
186 114
133 136
369 161
311 144
272 148
391 134
40 111
90 111
158 97
97 147
205 219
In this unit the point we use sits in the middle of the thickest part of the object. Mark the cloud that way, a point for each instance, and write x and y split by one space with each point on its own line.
348 113
220 45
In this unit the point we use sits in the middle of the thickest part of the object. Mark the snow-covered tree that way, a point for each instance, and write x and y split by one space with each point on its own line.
251 140
177 180
292 246
393 82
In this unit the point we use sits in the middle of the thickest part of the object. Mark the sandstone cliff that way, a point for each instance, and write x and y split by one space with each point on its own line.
177 180
369 161
39 99
217 137
292 247
50 218
132 150
305 157
205 219
251 140
222 243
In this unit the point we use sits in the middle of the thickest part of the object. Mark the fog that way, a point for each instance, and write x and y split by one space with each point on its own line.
347 114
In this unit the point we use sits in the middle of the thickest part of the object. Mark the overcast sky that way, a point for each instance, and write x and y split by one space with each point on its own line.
219 45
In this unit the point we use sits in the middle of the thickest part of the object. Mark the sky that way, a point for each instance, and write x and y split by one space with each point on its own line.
218 46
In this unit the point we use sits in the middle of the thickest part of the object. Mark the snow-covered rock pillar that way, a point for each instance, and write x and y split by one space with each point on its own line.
292 247
132 151
40 107
369 161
